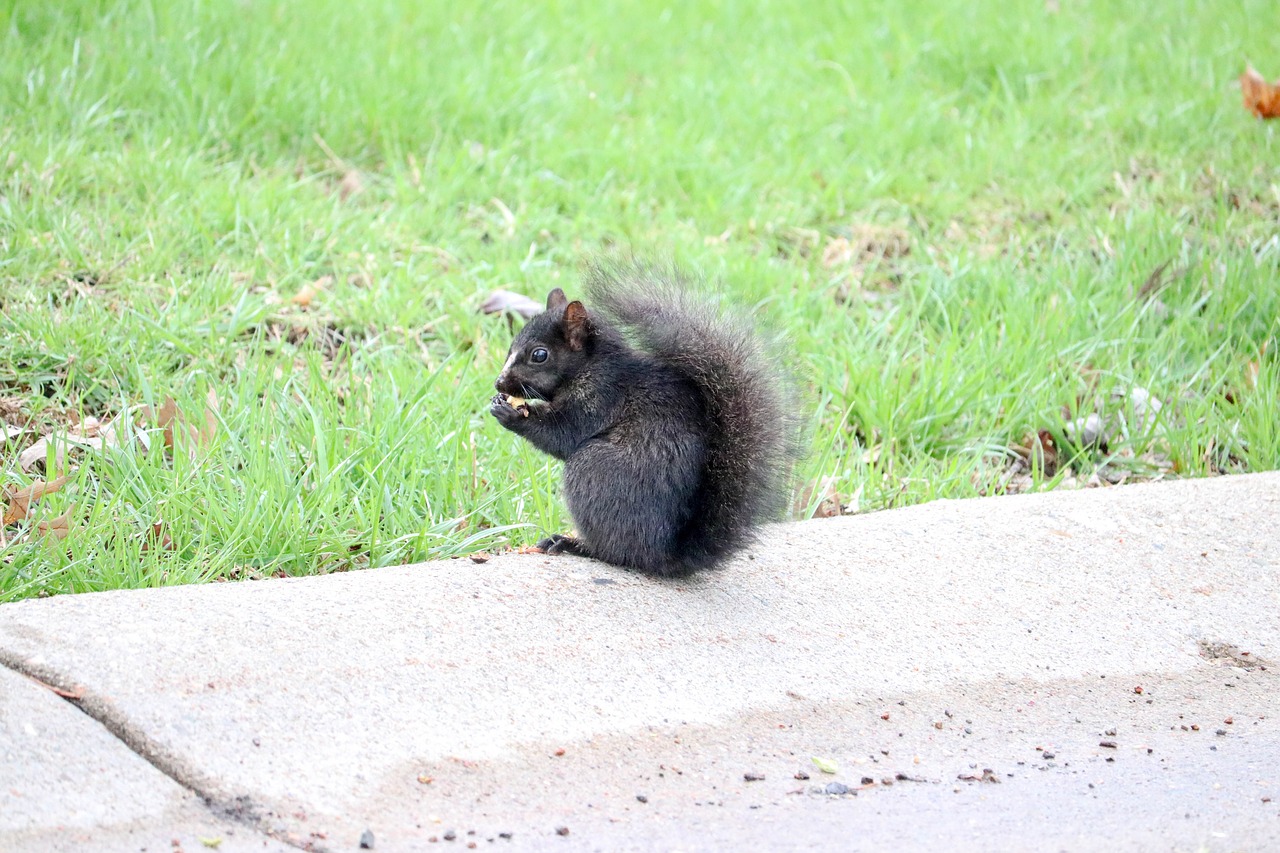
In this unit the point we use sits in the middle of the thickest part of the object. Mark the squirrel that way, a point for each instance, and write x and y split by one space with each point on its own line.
676 425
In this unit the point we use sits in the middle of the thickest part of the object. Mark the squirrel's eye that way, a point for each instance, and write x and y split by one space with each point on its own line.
538 356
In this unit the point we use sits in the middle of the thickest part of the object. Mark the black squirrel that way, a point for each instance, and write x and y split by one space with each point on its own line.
675 423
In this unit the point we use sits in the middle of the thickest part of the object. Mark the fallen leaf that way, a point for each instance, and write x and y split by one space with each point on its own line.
170 418
826 765
75 694
91 433
352 184
1038 450
867 243
308 292
1157 281
1260 97
165 417
211 409
1089 431
157 538
7 432
37 452
20 499
58 527
828 498
1251 372
506 301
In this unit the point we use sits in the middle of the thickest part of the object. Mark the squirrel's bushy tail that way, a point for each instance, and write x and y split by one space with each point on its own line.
746 390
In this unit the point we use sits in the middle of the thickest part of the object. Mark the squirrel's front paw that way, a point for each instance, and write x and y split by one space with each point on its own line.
508 415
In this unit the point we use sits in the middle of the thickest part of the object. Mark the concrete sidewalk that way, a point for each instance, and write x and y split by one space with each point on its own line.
1075 670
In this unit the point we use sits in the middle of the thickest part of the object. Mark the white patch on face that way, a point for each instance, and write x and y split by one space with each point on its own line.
511 359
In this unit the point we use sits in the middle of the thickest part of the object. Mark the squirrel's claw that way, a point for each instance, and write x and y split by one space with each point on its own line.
560 544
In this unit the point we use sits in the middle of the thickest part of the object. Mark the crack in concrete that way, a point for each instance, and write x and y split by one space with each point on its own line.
240 809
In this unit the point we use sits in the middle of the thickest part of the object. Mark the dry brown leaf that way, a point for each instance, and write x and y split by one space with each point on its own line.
1260 97
165 418
157 538
308 292
1037 450
1157 281
867 243
210 428
118 432
503 301
33 454
58 527
91 433
828 498
171 419
20 499
352 184
76 693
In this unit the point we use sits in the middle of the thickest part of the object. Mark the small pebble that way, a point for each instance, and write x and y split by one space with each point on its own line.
562 830
450 835
753 777
1050 755
642 798
836 788
802 775
366 840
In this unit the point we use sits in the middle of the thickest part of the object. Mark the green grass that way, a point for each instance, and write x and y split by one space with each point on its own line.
171 177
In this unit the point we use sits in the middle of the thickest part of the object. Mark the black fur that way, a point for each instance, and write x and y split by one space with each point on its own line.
675 424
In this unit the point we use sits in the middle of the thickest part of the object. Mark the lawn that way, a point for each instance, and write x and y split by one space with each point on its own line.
270 226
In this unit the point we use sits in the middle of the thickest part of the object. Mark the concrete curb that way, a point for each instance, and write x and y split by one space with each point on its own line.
334 697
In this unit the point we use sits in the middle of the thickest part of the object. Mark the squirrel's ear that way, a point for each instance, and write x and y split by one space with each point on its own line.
577 326
556 300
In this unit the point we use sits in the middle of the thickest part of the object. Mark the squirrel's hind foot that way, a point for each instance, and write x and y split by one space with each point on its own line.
561 544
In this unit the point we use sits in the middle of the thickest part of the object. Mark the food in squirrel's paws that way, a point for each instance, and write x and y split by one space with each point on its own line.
520 404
